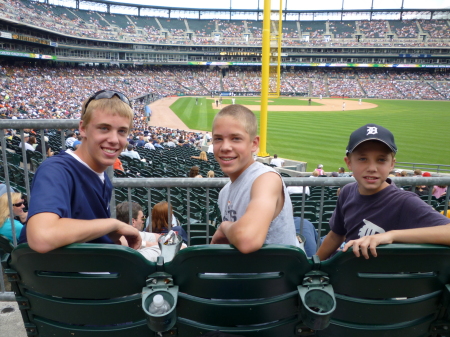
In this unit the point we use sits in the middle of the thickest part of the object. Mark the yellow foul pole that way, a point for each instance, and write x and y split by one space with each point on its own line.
264 80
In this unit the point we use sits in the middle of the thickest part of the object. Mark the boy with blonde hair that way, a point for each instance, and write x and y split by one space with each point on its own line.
371 211
70 191
255 206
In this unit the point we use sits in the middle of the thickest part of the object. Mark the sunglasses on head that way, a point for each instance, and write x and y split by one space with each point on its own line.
18 204
107 94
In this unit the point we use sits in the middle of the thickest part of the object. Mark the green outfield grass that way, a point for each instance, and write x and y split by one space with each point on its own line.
421 130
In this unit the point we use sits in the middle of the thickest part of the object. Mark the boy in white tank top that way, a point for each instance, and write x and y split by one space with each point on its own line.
255 206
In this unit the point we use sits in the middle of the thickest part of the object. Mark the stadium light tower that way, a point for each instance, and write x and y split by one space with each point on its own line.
270 69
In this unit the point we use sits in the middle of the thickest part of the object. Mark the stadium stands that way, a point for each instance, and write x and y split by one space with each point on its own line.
343 29
114 27
31 87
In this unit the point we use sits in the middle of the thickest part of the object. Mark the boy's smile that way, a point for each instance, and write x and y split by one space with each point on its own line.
233 147
371 163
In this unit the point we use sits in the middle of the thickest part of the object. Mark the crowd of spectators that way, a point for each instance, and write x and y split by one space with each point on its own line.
344 87
44 92
380 89
115 27
376 28
436 28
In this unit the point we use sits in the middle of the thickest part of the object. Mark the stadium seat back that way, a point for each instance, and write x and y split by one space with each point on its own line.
401 292
81 290
244 294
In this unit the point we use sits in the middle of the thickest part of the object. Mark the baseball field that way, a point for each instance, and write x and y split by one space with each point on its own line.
318 134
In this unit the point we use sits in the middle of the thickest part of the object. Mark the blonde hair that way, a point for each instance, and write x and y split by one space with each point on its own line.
210 174
4 207
112 106
242 114
203 156
159 216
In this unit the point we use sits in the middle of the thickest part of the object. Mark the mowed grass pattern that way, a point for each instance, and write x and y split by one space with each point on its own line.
421 130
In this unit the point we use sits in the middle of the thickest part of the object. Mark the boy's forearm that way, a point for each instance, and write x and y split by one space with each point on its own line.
329 245
46 231
239 235
439 235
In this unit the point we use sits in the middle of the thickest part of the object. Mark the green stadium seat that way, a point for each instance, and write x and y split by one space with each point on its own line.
402 292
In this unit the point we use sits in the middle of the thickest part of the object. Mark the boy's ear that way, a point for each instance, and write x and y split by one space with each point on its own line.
82 129
393 163
255 144
348 162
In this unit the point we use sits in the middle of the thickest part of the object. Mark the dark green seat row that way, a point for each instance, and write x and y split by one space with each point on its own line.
95 290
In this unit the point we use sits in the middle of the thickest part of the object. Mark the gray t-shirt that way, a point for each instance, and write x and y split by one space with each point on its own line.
235 197
389 209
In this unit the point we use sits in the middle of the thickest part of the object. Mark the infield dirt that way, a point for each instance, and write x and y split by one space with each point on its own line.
163 116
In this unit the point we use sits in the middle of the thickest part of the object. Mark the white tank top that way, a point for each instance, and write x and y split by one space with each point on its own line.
235 197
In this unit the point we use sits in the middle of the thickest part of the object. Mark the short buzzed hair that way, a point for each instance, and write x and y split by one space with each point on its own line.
243 115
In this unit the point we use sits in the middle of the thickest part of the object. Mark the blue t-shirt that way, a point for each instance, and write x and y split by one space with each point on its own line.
389 209
6 229
66 187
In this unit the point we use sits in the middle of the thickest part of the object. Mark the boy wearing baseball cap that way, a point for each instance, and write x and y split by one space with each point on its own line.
371 211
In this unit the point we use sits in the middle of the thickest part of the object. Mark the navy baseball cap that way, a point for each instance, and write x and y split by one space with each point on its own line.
371 132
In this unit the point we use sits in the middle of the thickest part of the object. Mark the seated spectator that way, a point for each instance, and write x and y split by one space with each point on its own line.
417 173
159 220
315 174
210 174
341 173
277 161
77 142
149 146
118 165
202 156
5 220
32 142
169 142
157 144
421 189
439 191
194 172
28 146
130 152
70 139
309 234
149 247
320 170
47 147
141 141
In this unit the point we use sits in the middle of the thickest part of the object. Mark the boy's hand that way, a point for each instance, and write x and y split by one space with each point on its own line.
219 236
362 245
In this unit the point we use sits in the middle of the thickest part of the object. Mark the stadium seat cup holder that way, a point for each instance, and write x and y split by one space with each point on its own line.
317 300
160 283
